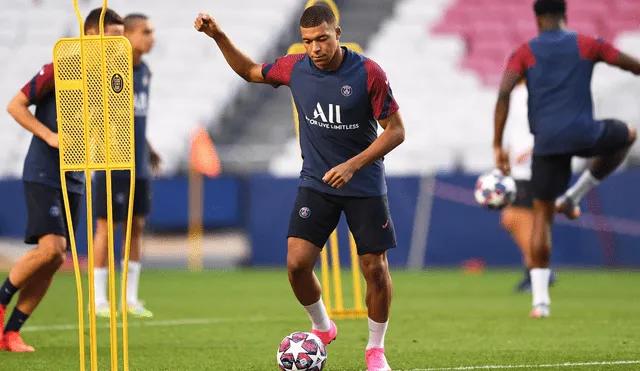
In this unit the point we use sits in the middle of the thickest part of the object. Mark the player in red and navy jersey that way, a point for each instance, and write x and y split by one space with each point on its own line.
341 97
46 225
558 66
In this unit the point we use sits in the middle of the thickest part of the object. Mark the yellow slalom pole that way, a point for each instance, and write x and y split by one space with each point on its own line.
335 268
355 270
324 270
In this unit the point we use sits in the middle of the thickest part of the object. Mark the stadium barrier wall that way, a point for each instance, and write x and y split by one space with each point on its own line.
459 231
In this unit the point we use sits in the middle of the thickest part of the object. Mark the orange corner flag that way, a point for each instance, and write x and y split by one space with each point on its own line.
203 157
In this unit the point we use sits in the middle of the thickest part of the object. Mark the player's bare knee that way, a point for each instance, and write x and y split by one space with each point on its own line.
52 250
375 270
137 227
507 219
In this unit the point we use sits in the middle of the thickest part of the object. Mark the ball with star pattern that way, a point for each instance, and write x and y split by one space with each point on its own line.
495 190
302 351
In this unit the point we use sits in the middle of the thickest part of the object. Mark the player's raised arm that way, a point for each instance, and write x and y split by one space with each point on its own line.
18 107
599 50
237 60
519 62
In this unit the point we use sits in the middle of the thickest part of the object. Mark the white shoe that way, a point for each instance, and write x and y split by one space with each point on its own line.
540 311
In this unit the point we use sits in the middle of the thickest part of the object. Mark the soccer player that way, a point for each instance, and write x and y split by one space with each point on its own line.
341 96
558 65
47 224
140 33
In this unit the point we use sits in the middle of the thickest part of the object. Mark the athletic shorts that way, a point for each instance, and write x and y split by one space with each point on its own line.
46 212
315 215
524 197
551 174
120 198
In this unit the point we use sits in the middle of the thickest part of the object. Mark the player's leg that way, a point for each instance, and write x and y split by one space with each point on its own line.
141 208
373 230
33 274
100 244
550 177
609 152
518 220
313 218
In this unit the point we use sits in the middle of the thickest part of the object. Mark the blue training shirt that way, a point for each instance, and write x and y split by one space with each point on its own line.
558 66
338 112
42 163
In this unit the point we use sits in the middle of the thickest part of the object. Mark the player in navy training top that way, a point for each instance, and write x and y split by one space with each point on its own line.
341 96
47 223
557 66
140 33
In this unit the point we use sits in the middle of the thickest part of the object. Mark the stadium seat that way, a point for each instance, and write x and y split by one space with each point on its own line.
191 82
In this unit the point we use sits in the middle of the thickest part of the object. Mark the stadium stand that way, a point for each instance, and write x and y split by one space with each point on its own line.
191 81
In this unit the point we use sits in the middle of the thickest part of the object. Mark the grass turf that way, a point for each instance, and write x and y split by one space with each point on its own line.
234 320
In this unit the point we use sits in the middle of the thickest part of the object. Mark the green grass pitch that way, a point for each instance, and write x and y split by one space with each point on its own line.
234 320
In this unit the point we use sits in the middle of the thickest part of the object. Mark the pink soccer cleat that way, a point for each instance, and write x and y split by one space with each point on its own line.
327 336
12 342
376 361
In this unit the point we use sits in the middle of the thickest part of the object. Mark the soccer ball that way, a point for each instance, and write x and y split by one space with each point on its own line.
495 190
302 351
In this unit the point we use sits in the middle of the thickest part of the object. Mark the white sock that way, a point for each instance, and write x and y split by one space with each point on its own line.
540 286
100 286
585 183
133 279
376 334
319 317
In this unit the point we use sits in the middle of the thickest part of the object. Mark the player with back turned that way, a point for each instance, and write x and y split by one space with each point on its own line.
341 97
47 224
558 66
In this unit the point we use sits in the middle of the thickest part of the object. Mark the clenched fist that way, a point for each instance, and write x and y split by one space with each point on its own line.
205 23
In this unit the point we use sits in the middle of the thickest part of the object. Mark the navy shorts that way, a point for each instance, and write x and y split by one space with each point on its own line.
551 174
120 197
524 196
315 215
46 212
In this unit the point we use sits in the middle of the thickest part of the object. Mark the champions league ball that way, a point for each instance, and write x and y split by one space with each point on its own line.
495 190
302 351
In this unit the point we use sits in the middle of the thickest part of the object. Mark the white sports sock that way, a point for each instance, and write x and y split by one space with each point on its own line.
319 317
100 286
585 183
133 279
376 334
540 286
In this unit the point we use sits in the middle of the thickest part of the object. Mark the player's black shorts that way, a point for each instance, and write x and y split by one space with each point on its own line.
524 196
46 212
120 198
315 215
551 174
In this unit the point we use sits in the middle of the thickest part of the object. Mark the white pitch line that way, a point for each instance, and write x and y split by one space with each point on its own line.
145 323
505 367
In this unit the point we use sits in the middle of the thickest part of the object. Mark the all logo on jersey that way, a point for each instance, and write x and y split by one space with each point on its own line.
304 212
346 90
333 114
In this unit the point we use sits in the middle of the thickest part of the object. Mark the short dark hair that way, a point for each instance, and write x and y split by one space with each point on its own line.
550 7
316 15
131 19
110 18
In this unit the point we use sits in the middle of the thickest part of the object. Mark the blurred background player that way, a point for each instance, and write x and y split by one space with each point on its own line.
517 218
47 224
340 96
558 66
140 32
